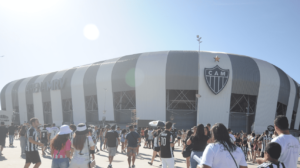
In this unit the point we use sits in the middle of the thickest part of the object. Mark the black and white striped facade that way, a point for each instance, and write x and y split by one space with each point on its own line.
147 81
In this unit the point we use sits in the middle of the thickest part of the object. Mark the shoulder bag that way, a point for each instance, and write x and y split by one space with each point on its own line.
231 155
92 163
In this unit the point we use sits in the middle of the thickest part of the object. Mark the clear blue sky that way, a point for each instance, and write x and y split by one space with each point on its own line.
39 37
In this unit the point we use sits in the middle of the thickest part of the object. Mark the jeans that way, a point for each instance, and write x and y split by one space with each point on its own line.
11 139
193 162
60 163
101 142
22 144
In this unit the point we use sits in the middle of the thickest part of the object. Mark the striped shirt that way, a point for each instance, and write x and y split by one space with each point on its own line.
271 165
31 132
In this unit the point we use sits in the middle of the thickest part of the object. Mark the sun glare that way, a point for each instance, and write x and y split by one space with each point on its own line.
91 32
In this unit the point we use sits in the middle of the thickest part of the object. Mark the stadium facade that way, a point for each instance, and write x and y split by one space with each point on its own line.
242 92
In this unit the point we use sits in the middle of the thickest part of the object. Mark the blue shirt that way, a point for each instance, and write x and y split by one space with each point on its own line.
132 139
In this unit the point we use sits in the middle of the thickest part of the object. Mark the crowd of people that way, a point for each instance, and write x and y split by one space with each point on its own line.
202 146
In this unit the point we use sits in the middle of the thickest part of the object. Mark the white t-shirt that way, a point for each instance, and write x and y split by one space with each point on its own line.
150 136
232 137
54 131
289 150
216 156
85 151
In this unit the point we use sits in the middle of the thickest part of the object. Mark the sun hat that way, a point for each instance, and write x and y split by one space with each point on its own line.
64 129
81 129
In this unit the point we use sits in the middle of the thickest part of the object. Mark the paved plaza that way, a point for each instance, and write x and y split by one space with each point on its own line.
12 158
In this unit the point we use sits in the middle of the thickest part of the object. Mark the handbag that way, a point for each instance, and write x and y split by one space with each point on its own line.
231 156
92 163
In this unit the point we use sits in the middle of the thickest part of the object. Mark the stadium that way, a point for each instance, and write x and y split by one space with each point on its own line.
185 87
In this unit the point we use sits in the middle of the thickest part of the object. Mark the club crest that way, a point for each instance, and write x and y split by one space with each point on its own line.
216 78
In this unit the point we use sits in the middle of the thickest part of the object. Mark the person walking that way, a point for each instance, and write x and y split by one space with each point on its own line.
123 136
11 134
32 154
150 138
132 140
54 131
82 144
166 142
101 137
111 139
44 137
198 143
289 144
22 138
187 149
156 148
222 152
3 134
73 128
60 148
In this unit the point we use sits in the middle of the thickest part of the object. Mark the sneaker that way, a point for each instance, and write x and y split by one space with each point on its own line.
150 163
133 166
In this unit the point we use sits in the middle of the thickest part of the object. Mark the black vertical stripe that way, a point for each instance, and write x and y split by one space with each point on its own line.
182 70
3 99
245 75
15 95
123 73
284 91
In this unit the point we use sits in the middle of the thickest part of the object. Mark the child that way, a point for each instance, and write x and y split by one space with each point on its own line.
270 160
94 139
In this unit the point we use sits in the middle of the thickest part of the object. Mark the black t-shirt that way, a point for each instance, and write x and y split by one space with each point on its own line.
146 133
166 138
111 137
208 134
3 132
132 139
11 130
44 134
199 144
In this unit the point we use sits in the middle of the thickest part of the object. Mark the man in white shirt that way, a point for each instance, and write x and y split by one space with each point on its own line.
230 135
54 131
289 144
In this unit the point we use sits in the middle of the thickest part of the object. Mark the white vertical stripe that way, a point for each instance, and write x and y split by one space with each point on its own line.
78 99
214 108
38 102
22 100
297 122
150 86
8 97
267 96
105 98
56 102
290 107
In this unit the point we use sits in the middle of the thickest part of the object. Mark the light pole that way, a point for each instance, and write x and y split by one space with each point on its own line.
198 95
104 111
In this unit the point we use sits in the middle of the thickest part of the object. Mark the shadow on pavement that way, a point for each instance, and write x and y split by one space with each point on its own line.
2 158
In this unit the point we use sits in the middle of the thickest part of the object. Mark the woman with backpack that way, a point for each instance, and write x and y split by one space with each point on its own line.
82 144
187 149
60 147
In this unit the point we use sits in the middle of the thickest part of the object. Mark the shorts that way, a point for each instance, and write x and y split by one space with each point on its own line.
156 149
112 151
92 151
131 151
32 157
178 138
2 142
45 142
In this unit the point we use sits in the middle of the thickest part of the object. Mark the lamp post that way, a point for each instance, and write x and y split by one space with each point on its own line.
104 111
199 41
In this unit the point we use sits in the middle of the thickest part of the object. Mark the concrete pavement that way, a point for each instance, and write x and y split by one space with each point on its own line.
11 158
